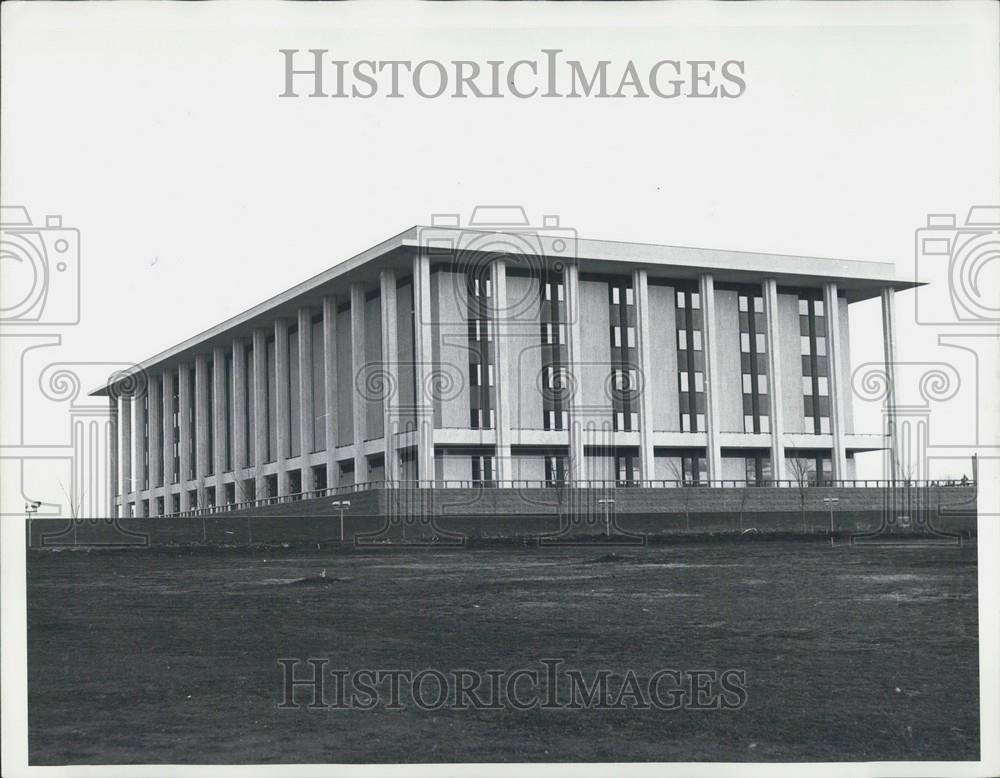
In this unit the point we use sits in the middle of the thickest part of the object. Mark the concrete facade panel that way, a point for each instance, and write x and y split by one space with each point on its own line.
452 365
845 368
661 375
404 342
728 384
373 364
345 379
791 363
594 371
524 357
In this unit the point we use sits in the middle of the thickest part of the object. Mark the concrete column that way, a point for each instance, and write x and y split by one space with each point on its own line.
306 438
574 336
390 368
640 284
331 419
166 390
423 367
239 419
706 290
202 426
775 409
154 442
219 427
113 455
503 384
126 427
358 377
260 431
282 410
184 402
139 440
831 311
889 350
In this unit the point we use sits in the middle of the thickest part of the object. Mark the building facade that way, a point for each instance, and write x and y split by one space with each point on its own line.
449 356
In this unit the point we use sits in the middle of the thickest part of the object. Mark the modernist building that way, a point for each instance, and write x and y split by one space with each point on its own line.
448 355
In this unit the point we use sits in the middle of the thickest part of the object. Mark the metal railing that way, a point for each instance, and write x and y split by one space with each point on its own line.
595 484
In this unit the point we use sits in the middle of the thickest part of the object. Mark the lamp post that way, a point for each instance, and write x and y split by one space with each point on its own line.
831 501
342 505
607 502
30 509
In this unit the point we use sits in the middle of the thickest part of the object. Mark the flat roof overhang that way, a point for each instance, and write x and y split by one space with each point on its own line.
858 280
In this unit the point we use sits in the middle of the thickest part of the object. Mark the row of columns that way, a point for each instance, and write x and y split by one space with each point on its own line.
212 421
147 444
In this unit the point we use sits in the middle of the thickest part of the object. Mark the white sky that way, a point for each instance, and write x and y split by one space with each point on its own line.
157 131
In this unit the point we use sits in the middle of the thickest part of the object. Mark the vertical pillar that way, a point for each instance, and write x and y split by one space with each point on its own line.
281 403
640 284
126 427
889 350
112 455
574 336
154 443
775 409
184 401
202 426
220 429
358 374
167 392
503 384
306 437
239 418
838 455
390 368
331 425
139 460
713 452
260 431
423 365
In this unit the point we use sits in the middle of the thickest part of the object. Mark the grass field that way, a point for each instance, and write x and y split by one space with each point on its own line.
143 656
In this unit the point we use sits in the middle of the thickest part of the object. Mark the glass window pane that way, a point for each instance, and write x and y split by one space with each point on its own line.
824 425
810 425
697 340
743 303
745 342
761 383
680 299
629 296
695 300
685 422
820 346
758 304
682 339
824 388
818 307
747 384
616 336
765 424
700 420
684 382
699 382
614 295
630 333
761 343
634 420
804 347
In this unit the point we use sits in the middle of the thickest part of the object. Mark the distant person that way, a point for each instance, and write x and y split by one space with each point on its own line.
965 480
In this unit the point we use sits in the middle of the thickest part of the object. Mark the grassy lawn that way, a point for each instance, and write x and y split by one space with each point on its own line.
156 656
